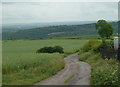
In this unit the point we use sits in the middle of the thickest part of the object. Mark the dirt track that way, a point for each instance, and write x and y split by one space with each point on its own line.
74 73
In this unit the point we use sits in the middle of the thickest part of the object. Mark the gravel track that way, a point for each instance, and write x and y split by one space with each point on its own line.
74 73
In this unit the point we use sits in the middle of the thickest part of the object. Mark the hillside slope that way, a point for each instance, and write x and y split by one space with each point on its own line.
54 31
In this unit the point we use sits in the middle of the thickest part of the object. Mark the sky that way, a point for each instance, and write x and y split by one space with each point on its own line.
38 12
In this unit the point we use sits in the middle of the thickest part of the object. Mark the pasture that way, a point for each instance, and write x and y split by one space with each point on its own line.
30 46
23 66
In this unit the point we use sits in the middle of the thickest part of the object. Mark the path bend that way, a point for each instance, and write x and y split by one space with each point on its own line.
74 73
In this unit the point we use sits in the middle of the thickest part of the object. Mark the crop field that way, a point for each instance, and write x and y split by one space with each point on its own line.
30 46
23 66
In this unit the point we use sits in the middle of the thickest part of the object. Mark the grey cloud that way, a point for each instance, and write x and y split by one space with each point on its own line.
56 12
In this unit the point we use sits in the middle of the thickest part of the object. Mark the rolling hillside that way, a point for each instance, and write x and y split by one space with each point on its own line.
53 31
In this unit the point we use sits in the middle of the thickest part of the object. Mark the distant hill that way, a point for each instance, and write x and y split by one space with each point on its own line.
45 24
53 31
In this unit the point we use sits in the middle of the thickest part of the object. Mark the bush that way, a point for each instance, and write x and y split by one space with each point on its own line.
109 44
58 49
92 45
95 45
45 50
50 50
104 72
84 56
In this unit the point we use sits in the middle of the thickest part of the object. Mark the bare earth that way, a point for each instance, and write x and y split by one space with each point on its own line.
74 73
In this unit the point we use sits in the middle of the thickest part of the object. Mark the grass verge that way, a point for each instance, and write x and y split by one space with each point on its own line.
104 72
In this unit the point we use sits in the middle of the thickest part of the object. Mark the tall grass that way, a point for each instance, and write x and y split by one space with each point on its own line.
17 67
16 62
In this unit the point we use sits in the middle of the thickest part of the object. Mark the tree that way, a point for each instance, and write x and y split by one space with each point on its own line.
105 29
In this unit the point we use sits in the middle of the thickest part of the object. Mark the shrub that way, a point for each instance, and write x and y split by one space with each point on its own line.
106 74
92 45
58 49
84 56
86 47
96 47
109 44
50 50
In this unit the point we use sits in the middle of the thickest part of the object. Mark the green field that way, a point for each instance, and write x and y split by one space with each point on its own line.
22 66
30 46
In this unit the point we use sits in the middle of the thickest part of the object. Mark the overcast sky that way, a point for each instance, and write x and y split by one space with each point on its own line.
31 12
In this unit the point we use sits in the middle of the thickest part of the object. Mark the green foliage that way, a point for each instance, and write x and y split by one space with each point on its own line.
50 50
84 56
86 47
45 50
58 49
95 45
92 45
109 44
104 72
105 30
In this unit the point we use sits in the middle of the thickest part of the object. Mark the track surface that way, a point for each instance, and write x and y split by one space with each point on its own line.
74 73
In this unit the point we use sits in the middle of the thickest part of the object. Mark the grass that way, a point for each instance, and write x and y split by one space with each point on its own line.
30 68
26 61
68 79
30 46
22 66
104 72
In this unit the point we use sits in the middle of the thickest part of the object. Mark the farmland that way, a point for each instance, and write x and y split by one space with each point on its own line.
23 66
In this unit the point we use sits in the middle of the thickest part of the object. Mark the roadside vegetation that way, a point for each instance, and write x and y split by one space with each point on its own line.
105 70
